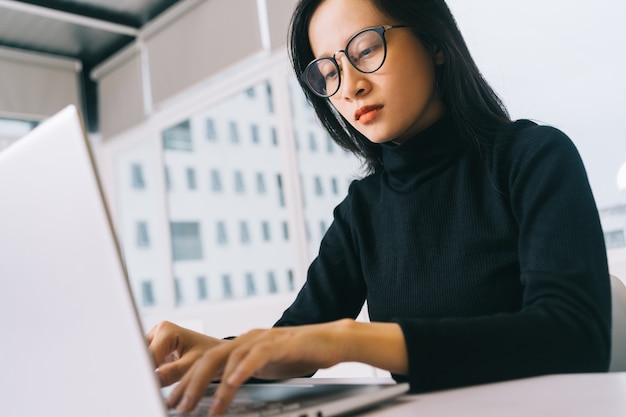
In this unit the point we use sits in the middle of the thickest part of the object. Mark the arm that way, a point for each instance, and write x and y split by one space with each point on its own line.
286 352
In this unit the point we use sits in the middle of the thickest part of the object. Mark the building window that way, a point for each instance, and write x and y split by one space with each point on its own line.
216 181
274 136
334 184
186 241
250 92
323 227
270 98
312 142
227 286
203 293
254 131
239 185
222 237
178 138
143 239
178 291
138 181
265 226
330 145
290 282
271 283
191 178
318 186
285 230
250 286
234 132
244 234
281 193
211 134
260 183
147 294
615 239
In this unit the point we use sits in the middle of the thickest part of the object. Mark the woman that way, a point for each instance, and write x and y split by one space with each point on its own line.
475 240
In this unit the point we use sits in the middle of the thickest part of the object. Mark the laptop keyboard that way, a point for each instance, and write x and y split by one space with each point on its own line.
242 409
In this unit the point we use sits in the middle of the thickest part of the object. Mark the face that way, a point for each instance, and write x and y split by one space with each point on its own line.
397 101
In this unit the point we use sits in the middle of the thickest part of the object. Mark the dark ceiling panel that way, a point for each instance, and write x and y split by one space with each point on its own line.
134 13
36 33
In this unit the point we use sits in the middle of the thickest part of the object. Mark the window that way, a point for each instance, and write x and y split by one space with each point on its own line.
147 294
250 286
330 145
270 99
244 234
239 185
274 136
271 283
290 283
254 131
138 181
615 239
260 183
323 227
178 138
216 181
203 293
318 186
234 132
227 286
191 178
312 142
285 230
211 134
334 185
222 237
178 291
281 194
143 239
186 241
265 226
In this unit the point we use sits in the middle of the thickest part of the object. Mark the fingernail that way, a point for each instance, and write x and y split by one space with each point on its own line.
234 378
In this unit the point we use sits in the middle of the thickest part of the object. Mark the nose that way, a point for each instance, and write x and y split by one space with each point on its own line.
354 83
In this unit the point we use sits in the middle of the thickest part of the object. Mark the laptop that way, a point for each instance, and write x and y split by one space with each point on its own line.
72 342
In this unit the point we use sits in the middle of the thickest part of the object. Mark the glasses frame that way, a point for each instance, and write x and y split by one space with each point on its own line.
380 30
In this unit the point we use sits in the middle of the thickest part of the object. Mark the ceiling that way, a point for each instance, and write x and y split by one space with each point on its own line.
86 30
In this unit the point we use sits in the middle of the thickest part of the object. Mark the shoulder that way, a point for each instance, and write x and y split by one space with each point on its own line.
527 137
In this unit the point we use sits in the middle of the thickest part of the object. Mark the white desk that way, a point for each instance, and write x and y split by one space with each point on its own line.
575 395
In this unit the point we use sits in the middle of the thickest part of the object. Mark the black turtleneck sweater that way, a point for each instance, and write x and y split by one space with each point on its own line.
491 258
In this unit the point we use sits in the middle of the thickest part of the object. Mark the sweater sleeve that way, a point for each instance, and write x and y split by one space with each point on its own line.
564 322
334 288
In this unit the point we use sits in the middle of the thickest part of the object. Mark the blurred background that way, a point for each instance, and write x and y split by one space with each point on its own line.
220 180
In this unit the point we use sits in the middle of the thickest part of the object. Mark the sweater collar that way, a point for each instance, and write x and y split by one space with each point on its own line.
423 156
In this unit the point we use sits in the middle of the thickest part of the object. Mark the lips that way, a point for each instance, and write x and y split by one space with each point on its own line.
367 113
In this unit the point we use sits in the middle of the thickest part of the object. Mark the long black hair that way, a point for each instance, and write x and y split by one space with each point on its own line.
474 108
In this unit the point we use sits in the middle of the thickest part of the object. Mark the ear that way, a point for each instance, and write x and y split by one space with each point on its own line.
438 56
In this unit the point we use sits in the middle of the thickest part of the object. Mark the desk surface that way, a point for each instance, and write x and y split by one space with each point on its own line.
574 395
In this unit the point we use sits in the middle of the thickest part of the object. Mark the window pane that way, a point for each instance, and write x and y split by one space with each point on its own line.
178 138
186 241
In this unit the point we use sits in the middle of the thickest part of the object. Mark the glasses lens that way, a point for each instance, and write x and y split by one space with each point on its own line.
322 76
366 51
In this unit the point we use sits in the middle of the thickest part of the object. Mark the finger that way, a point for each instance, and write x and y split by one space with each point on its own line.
163 341
191 388
169 373
242 363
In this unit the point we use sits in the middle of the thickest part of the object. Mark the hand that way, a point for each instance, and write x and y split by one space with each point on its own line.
175 349
275 353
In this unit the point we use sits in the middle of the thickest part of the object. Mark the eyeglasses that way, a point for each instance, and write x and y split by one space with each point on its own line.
366 51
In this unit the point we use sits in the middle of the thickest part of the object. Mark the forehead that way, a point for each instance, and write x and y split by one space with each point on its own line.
335 21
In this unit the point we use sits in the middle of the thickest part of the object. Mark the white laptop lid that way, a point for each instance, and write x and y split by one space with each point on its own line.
71 341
